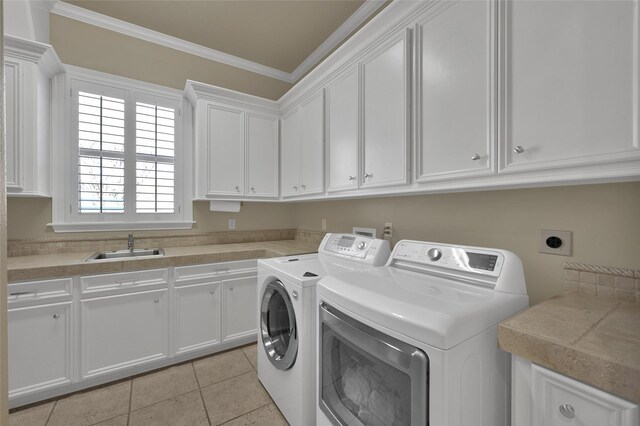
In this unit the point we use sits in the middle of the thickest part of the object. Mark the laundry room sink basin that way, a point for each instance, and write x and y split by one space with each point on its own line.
125 254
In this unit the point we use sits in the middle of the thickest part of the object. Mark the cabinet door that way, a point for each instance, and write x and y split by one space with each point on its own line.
262 155
455 105
385 74
12 123
121 331
559 401
40 348
197 316
290 154
312 138
571 95
225 137
342 131
240 307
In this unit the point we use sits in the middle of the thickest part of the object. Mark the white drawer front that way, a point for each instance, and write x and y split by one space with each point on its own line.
38 292
197 272
559 400
125 281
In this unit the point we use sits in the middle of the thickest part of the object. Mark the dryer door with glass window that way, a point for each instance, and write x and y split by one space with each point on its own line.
278 326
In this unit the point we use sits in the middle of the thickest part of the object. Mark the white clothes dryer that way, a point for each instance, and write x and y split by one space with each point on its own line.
286 317
415 342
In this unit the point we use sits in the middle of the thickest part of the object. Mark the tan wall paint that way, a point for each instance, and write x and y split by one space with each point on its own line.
605 220
4 383
88 46
28 219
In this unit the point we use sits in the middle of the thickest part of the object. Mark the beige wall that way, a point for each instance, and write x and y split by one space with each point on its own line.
28 219
605 220
88 46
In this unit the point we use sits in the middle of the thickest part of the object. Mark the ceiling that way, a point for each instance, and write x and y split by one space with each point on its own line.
278 34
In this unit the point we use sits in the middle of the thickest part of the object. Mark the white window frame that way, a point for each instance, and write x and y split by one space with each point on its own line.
65 214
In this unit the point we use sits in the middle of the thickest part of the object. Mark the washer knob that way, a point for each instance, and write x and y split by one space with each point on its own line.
434 254
361 245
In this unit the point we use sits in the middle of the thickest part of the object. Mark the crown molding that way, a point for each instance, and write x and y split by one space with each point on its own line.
39 53
93 18
368 8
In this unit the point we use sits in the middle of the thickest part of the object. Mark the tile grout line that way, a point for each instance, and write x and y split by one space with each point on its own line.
130 400
51 412
247 413
206 412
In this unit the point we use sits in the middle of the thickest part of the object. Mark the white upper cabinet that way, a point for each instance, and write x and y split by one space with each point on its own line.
302 154
571 88
236 144
28 67
385 82
262 155
455 91
225 139
343 135
290 153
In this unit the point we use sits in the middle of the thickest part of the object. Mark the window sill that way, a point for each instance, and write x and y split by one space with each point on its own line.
118 226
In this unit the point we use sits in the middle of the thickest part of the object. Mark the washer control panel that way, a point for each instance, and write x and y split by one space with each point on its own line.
356 247
468 259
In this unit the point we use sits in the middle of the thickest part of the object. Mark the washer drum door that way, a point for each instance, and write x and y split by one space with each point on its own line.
278 326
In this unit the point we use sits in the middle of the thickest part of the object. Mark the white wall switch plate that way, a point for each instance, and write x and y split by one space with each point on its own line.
555 242
232 224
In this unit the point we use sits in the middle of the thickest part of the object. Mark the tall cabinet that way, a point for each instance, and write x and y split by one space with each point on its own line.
28 68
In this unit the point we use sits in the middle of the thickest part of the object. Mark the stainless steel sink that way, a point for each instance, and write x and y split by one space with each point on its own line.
125 254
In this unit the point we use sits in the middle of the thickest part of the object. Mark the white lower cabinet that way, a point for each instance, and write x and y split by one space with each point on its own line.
40 336
123 330
67 334
541 397
197 313
240 307
40 348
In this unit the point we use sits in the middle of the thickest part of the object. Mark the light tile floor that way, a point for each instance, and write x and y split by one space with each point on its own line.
220 389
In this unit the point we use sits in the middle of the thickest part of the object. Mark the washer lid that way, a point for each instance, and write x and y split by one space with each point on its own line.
306 270
438 311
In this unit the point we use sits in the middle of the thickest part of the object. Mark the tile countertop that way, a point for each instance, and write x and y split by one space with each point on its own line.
588 338
67 264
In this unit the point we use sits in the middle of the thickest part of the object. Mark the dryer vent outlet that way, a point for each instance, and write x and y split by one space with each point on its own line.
555 242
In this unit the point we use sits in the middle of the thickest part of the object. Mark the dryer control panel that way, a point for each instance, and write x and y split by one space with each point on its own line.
358 248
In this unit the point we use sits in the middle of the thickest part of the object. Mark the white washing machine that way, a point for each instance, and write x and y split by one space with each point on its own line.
286 324
415 342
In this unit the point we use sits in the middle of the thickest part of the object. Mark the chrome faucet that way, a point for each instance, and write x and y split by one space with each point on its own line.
130 242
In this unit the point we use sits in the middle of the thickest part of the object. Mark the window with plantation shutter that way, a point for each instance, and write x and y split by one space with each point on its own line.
126 168
155 145
100 154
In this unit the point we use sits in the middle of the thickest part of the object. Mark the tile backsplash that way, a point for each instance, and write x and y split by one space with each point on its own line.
68 244
602 281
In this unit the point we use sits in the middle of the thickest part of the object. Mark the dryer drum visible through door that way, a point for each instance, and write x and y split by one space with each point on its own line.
278 326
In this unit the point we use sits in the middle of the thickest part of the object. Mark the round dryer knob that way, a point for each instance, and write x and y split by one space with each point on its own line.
434 254
361 245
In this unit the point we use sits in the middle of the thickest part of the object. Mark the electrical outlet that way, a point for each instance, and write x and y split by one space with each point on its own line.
324 224
555 242
387 232
232 224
